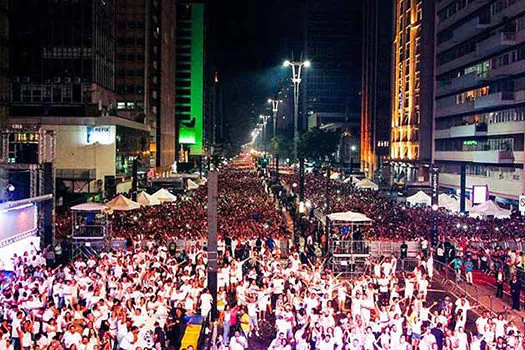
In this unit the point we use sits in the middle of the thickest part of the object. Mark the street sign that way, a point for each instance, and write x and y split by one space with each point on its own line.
522 204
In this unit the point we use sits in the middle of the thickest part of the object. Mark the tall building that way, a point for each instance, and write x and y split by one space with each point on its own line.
332 43
4 62
189 72
480 95
412 89
375 84
146 72
63 62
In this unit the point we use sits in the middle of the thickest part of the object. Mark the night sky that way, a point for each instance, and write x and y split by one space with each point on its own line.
247 41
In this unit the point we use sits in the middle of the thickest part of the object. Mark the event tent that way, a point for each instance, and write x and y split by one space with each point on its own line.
148 200
454 205
349 216
122 203
367 184
335 176
164 195
90 207
419 198
192 185
489 208
352 179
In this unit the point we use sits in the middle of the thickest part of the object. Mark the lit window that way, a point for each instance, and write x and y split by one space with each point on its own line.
121 105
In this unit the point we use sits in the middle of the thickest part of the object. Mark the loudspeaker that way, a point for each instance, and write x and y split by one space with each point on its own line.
110 186
48 187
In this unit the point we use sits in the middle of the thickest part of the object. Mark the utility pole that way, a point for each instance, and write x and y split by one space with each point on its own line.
134 182
212 237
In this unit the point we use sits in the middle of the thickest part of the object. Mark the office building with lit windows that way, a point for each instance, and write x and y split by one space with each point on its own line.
412 87
480 95
145 45
63 79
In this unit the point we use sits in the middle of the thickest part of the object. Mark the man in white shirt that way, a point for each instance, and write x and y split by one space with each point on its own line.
16 329
238 342
72 338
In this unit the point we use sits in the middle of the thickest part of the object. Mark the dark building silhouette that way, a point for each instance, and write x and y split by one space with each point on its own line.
332 43
376 84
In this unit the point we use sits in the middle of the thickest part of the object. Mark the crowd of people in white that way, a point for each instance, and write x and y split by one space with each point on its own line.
142 298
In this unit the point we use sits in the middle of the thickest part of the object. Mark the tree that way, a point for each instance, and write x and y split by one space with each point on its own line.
283 145
317 144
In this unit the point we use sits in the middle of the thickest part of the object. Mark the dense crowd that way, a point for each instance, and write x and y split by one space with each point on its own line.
143 297
244 211
396 221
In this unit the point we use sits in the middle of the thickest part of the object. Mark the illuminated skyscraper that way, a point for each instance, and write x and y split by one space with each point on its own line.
412 88
189 106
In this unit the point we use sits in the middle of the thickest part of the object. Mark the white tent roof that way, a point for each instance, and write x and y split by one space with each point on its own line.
419 198
366 184
164 195
349 216
489 208
148 200
122 203
455 205
334 176
192 185
352 179
89 207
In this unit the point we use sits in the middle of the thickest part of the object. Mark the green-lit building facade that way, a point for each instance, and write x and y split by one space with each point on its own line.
189 108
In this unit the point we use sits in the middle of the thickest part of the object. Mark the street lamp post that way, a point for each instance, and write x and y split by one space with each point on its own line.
275 110
264 131
296 79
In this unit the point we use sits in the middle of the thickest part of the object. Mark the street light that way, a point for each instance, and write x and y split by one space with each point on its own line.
296 79
264 130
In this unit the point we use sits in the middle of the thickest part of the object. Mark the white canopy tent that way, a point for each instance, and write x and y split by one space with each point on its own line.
420 198
349 216
489 208
192 185
454 204
164 195
335 176
148 200
352 179
90 207
367 184
122 203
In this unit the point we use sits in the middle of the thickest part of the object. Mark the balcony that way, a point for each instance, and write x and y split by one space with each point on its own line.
462 33
446 109
508 12
504 71
507 128
496 99
462 131
504 188
456 63
499 157
495 43
467 10
463 82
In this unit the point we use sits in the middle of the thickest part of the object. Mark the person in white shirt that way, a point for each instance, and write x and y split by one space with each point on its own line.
238 342
72 337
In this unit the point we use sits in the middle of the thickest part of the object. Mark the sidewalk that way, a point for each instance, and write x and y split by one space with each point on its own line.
483 296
